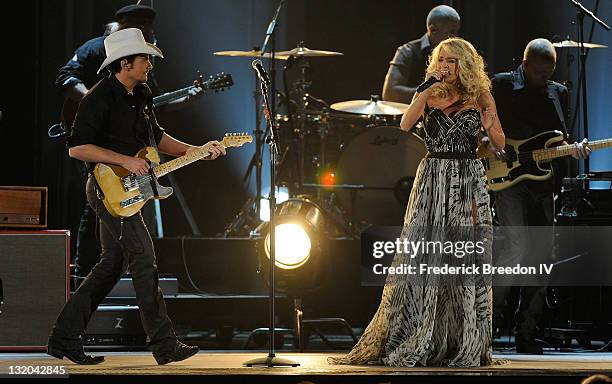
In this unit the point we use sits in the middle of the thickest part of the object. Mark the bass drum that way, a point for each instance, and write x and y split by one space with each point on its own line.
384 161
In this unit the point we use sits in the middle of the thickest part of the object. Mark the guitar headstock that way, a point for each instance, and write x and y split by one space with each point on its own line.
236 139
217 82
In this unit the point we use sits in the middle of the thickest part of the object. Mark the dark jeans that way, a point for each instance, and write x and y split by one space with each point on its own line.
528 203
126 244
88 244
88 238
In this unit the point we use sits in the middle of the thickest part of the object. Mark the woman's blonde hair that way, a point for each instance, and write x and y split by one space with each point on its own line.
472 78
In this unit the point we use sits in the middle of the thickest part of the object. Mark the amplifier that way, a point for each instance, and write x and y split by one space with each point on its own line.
115 326
582 204
34 279
23 207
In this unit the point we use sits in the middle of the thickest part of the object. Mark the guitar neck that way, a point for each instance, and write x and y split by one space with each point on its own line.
180 162
567 150
166 98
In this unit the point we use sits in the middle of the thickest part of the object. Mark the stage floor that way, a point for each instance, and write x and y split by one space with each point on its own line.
224 363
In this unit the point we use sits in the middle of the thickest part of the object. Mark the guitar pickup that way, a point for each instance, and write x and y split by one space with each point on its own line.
129 183
499 180
131 201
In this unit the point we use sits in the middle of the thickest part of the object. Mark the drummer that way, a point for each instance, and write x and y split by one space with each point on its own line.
407 69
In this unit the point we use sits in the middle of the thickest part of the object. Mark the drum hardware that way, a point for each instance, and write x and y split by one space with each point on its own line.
582 203
358 140
574 44
252 53
371 107
249 214
302 51
299 118
581 12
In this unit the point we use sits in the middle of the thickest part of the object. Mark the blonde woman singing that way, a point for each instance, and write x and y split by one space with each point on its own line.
437 320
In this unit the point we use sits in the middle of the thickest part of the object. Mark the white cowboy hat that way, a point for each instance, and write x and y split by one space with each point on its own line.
126 42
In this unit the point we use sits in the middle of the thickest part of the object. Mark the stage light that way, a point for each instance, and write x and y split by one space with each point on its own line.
328 178
282 195
304 231
300 228
293 246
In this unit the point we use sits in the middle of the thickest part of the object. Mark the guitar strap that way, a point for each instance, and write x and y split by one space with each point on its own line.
146 113
553 93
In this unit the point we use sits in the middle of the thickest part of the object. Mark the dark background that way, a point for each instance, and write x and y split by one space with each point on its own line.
189 31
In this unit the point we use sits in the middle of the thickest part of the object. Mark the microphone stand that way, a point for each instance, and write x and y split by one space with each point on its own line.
582 12
271 360
272 140
271 39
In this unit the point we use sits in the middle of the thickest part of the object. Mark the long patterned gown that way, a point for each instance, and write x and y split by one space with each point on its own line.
431 323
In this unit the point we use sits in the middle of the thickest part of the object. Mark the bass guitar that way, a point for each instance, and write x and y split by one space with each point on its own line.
528 159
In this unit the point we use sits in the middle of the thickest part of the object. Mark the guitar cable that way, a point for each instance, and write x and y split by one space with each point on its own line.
199 292
57 130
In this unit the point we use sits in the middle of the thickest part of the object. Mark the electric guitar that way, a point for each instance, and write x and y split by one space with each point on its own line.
217 82
125 193
528 159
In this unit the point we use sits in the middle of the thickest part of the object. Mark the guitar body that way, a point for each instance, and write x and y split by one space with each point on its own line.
519 164
124 193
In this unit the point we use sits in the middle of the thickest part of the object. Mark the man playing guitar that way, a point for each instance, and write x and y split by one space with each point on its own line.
528 104
75 79
113 121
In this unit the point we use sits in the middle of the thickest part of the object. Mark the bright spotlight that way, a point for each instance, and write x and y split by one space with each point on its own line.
292 246
300 228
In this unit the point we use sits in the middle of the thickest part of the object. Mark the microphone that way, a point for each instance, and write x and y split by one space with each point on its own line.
263 76
427 83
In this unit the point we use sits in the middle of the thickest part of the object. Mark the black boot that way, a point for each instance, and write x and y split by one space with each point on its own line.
71 349
179 352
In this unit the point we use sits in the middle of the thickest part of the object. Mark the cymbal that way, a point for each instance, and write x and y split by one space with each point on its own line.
305 52
575 44
370 107
249 54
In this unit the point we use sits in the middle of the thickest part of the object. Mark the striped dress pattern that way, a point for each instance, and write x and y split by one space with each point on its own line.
427 321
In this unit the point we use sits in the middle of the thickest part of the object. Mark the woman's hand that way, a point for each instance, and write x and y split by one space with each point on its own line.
438 75
488 118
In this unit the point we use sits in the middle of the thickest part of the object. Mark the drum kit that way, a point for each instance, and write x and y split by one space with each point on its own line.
350 157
